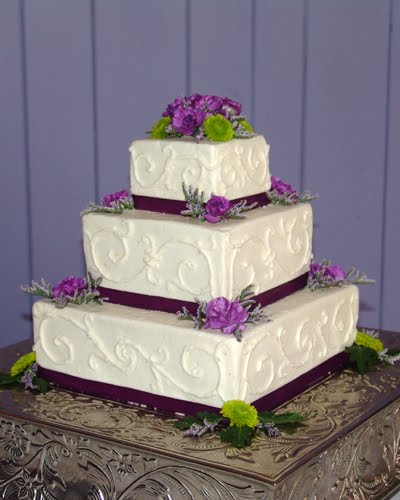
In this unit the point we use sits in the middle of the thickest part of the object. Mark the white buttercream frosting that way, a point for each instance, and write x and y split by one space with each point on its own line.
158 353
234 169
182 258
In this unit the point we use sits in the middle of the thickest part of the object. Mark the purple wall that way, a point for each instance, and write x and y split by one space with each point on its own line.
80 79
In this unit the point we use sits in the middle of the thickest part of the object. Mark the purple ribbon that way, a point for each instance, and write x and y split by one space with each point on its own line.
125 394
154 303
175 207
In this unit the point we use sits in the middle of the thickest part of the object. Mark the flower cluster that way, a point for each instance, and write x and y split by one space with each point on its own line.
216 209
202 117
325 275
282 193
24 371
114 203
229 317
69 290
368 351
239 422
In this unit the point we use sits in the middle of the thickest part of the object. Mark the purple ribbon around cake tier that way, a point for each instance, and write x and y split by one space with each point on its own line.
175 207
130 395
154 303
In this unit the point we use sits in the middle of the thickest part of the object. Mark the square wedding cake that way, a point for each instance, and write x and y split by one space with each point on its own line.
206 225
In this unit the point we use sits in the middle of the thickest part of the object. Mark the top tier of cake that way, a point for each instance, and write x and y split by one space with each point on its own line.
235 169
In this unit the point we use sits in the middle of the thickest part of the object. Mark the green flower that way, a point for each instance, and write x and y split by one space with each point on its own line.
22 363
246 125
158 130
368 341
240 413
219 129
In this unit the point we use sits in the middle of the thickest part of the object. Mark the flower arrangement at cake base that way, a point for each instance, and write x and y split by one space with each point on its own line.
239 422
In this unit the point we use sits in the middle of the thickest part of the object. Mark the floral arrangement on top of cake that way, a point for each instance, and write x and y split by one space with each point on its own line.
204 117
229 317
69 290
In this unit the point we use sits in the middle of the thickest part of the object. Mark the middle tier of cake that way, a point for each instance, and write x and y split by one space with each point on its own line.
179 258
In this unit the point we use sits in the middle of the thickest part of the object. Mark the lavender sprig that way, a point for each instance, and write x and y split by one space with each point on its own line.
28 376
84 293
288 198
194 202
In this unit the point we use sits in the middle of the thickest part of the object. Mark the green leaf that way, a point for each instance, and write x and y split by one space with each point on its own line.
392 352
185 423
362 357
210 417
6 379
281 418
238 436
41 383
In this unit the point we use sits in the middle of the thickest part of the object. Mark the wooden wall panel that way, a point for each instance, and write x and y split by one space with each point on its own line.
391 250
278 93
220 60
14 223
140 64
59 80
345 134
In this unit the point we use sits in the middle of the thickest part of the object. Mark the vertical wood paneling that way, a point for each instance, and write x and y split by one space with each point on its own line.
140 60
60 131
14 262
390 295
278 83
345 134
221 49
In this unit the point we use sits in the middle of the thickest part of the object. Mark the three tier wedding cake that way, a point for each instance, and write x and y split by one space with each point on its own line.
210 235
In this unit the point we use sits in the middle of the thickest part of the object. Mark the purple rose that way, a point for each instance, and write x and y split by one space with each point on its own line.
186 120
280 186
225 316
211 104
179 102
194 100
315 268
68 286
233 105
215 207
109 199
335 272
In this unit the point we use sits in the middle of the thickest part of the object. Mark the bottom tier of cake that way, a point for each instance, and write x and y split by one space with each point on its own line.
155 353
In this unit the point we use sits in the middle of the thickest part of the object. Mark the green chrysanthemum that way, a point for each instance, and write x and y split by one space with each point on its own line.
158 130
240 413
368 341
246 125
22 363
219 129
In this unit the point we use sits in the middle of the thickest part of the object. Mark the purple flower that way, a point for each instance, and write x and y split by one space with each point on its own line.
211 104
216 207
315 268
186 120
281 187
110 199
233 105
225 316
335 272
68 286
174 105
